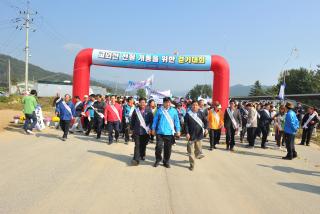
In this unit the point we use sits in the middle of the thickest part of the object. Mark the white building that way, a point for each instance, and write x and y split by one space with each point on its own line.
50 89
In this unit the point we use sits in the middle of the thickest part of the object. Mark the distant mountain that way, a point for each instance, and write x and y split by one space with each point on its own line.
35 73
120 86
235 90
242 90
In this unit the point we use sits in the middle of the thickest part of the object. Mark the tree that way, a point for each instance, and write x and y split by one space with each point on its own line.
141 93
200 90
300 81
257 89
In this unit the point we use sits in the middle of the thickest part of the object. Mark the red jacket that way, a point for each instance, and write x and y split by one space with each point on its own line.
109 114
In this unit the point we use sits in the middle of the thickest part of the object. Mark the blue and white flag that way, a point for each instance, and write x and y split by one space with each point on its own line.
281 92
161 94
138 85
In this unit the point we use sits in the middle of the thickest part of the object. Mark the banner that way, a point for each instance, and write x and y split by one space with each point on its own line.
141 84
281 92
40 124
151 61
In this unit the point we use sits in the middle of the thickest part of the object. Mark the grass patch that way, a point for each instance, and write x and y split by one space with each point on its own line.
14 102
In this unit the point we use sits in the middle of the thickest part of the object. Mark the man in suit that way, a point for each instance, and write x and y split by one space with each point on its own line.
196 128
308 123
232 123
141 122
252 123
264 124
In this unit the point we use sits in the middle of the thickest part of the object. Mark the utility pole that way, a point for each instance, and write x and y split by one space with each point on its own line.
27 25
9 76
27 21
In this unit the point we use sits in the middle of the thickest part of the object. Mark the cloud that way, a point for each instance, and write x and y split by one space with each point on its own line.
72 47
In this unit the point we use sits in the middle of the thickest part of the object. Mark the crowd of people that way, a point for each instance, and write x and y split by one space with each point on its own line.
143 120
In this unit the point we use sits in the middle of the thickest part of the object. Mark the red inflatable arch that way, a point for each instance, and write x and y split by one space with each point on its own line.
87 57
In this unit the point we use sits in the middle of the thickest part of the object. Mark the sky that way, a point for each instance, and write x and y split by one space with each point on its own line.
255 37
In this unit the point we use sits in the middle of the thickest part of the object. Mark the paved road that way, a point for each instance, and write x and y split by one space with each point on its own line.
41 174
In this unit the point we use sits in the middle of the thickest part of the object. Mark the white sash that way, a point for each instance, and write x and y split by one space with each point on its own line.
234 122
195 117
216 115
142 121
130 114
58 100
267 112
94 109
68 108
169 119
248 125
131 111
305 126
115 111
77 104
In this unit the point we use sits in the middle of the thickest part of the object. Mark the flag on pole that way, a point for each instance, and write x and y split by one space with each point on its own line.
161 94
141 84
281 92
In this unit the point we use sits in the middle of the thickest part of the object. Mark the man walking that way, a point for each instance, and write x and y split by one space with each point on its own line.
165 125
127 113
308 123
66 111
291 126
196 127
99 108
29 107
252 123
232 123
215 119
141 122
244 117
113 118
264 124
89 113
77 121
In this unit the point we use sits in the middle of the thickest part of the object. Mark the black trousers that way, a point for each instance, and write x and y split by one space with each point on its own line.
258 132
230 132
113 126
279 137
90 125
265 132
289 139
85 123
306 135
126 127
152 138
243 131
98 123
214 135
65 125
251 135
164 142
141 142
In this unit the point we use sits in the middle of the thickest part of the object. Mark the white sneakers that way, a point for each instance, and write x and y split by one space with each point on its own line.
29 132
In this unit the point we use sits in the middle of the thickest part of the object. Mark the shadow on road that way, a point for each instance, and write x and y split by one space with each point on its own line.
46 135
302 187
127 159
122 158
292 170
257 154
14 128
